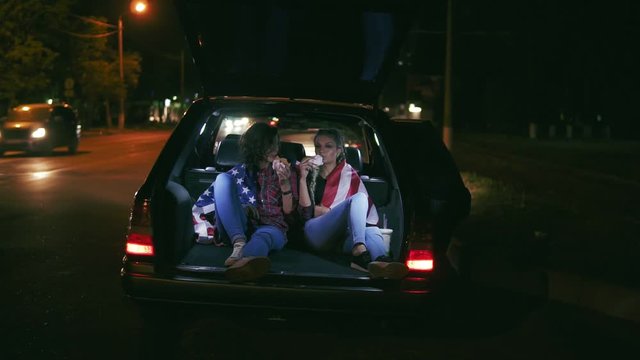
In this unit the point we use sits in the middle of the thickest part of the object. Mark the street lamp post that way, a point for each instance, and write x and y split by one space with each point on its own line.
137 7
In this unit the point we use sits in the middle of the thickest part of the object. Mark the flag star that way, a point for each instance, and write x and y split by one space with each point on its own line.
252 199
234 172
245 190
207 192
239 181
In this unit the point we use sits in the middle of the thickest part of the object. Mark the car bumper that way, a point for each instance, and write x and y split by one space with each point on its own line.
409 297
24 144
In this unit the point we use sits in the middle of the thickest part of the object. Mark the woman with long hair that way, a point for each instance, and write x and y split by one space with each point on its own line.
336 208
252 201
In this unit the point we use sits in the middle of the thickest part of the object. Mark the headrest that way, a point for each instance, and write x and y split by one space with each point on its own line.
292 151
229 153
353 157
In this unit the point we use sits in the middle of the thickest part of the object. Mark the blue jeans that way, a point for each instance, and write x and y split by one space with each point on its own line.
232 222
347 221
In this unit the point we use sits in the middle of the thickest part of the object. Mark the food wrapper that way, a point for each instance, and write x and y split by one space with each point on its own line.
280 164
317 160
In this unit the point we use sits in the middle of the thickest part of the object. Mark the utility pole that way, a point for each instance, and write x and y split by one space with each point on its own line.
182 76
121 116
447 126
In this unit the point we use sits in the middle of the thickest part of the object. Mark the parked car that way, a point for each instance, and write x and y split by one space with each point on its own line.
39 128
291 68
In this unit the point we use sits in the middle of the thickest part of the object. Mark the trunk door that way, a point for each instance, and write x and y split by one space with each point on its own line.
312 50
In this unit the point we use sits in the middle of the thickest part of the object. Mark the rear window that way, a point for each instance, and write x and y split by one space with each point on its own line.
298 128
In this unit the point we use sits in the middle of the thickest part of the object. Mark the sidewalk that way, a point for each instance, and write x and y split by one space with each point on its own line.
570 209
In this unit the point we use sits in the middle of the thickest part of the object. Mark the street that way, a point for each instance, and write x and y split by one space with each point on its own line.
63 219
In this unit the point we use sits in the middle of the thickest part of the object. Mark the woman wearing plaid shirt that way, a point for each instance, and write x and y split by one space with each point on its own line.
257 228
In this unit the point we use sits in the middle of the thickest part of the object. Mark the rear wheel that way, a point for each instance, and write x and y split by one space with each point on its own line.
47 151
73 146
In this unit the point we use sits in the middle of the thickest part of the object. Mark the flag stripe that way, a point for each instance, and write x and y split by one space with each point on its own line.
206 203
342 183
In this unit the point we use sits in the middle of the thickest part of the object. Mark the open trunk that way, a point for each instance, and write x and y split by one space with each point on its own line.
200 162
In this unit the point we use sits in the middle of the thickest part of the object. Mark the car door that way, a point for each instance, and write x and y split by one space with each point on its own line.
57 126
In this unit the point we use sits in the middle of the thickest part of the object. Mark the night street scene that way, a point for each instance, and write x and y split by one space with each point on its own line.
438 179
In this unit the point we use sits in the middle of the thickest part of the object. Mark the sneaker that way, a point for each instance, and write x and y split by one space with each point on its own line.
385 267
236 254
248 268
360 262
204 240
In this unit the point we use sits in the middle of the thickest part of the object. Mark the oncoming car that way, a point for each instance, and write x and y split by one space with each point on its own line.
289 79
39 128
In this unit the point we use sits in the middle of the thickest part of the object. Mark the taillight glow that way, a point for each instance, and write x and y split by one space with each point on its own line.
139 244
420 260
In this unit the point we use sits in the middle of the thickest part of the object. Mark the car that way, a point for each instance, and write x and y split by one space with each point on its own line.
283 64
39 128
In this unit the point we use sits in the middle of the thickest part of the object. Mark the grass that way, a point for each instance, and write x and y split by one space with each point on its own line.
563 210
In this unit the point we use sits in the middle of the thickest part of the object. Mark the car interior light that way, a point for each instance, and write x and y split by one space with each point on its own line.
375 137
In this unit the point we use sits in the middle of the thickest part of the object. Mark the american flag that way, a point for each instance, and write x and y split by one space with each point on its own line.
342 183
204 208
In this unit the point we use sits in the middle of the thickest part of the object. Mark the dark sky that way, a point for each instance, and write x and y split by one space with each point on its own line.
528 59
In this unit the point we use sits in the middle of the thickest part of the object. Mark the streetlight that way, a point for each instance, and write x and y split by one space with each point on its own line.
137 7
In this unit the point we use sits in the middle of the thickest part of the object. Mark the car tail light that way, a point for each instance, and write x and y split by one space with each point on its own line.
139 244
420 256
420 260
139 238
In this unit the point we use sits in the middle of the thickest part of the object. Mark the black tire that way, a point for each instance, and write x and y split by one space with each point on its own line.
44 152
73 146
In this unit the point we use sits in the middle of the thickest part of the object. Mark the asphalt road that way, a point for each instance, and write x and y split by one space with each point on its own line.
62 220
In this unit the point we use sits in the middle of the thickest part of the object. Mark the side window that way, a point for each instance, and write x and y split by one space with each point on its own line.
56 116
375 164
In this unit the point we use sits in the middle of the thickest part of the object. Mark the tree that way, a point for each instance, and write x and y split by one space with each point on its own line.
42 44
27 34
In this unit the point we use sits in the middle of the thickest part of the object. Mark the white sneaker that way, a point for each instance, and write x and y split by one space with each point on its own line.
236 254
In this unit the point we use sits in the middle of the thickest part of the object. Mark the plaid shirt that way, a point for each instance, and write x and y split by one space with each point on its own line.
269 198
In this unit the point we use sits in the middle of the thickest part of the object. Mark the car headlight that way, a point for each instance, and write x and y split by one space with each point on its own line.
39 133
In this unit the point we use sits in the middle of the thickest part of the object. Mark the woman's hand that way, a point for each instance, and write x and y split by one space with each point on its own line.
284 176
282 169
305 166
320 210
